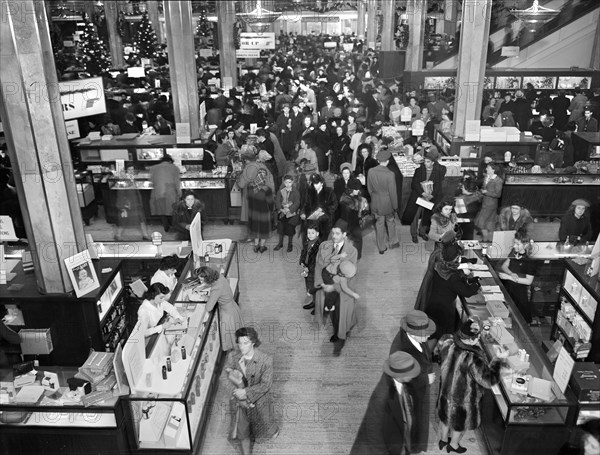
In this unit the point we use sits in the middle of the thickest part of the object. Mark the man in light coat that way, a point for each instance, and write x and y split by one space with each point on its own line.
384 202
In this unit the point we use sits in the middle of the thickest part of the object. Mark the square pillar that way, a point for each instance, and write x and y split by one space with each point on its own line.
416 11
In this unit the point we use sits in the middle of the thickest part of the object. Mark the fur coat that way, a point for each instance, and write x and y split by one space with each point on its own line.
465 374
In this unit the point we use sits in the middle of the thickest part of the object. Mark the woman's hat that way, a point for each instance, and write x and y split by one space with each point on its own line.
417 323
347 268
583 202
263 155
451 251
470 329
401 366
344 166
354 184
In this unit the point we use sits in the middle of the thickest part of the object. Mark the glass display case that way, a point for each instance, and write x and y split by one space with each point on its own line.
172 375
527 401
45 416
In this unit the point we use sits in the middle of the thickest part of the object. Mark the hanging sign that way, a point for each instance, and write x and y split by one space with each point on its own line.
250 40
7 229
247 53
82 98
406 114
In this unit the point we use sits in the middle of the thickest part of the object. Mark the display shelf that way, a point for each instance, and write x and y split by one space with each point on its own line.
584 314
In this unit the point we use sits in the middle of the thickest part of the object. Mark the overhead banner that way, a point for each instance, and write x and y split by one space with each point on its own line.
247 53
82 98
251 40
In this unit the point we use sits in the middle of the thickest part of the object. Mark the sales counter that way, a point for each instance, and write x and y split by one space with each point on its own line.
526 412
142 413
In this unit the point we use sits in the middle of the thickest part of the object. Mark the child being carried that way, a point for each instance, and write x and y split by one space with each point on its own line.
337 273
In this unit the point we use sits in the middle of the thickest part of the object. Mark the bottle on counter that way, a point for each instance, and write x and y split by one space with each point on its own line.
206 257
164 372
175 352
183 353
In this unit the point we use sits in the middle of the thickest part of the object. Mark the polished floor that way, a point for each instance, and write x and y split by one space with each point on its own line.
319 399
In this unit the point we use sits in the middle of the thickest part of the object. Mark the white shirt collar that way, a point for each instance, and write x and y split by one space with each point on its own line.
415 342
399 386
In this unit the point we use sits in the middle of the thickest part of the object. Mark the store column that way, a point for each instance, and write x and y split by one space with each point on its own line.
595 61
360 20
31 114
450 15
115 43
182 66
227 60
388 9
372 23
154 17
475 28
416 10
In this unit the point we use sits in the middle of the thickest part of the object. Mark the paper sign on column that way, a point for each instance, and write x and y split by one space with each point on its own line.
183 133
563 368
472 129
7 229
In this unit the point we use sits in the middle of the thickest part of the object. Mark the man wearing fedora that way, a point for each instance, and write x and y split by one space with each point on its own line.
412 337
386 426
384 202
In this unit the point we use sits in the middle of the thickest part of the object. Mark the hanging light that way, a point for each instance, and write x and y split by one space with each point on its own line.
258 14
535 16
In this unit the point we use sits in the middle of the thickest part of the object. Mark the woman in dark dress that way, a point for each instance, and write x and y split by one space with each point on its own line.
340 149
448 283
321 205
517 273
349 211
576 225
364 163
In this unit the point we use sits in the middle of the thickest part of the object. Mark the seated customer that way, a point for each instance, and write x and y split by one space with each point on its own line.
184 213
514 217
576 226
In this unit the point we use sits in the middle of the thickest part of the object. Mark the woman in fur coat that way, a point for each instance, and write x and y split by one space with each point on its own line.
465 373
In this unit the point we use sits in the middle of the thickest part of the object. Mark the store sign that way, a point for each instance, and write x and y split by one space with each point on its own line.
82 98
247 53
510 51
250 40
321 19
205 53
72 127
7 229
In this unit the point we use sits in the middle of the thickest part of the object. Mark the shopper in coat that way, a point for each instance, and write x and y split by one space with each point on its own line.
384 202
344 315
431 171
448 283
258 182
387 425
393 166
308 261
465 373
514 217
412 337
320 206
184 213
230 316
491 191
350 207
522 111
257 373
166 188
287 205
576 225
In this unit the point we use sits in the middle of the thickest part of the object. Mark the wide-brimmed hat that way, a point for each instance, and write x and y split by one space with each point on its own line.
583 202
344 166
451 251
401 366
417 323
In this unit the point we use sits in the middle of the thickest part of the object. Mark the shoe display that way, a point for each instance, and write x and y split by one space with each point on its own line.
308 306
278 247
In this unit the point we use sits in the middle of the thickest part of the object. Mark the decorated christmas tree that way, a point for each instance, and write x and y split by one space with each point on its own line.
145 42
92 55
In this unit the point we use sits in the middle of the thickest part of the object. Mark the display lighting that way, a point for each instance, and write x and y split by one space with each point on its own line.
258 14
535 16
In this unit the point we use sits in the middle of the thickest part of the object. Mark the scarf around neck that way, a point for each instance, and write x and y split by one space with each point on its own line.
446 269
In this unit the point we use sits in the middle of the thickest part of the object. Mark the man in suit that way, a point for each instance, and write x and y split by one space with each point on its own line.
587 123
412 337
384 202
333 252
386 426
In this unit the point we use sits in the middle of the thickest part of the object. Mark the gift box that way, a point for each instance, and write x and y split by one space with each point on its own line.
540 388
585 381
36 341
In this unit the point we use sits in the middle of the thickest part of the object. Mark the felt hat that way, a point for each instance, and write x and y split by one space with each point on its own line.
451 251
344 166
401 366
329 98
519 94
347 268
516 202
354 184
285 105
384 155
432 153
417 323
583 202
341 224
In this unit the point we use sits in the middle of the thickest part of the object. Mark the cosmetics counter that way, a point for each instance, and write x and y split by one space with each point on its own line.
123 404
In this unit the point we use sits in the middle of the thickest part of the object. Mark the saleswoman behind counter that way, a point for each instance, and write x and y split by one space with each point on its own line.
153 307
166 272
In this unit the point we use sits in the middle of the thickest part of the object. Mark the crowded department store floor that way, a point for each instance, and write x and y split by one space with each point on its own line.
319 399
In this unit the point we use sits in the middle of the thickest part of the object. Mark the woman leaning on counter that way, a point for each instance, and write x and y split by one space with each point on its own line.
166 272
229 311
153 307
